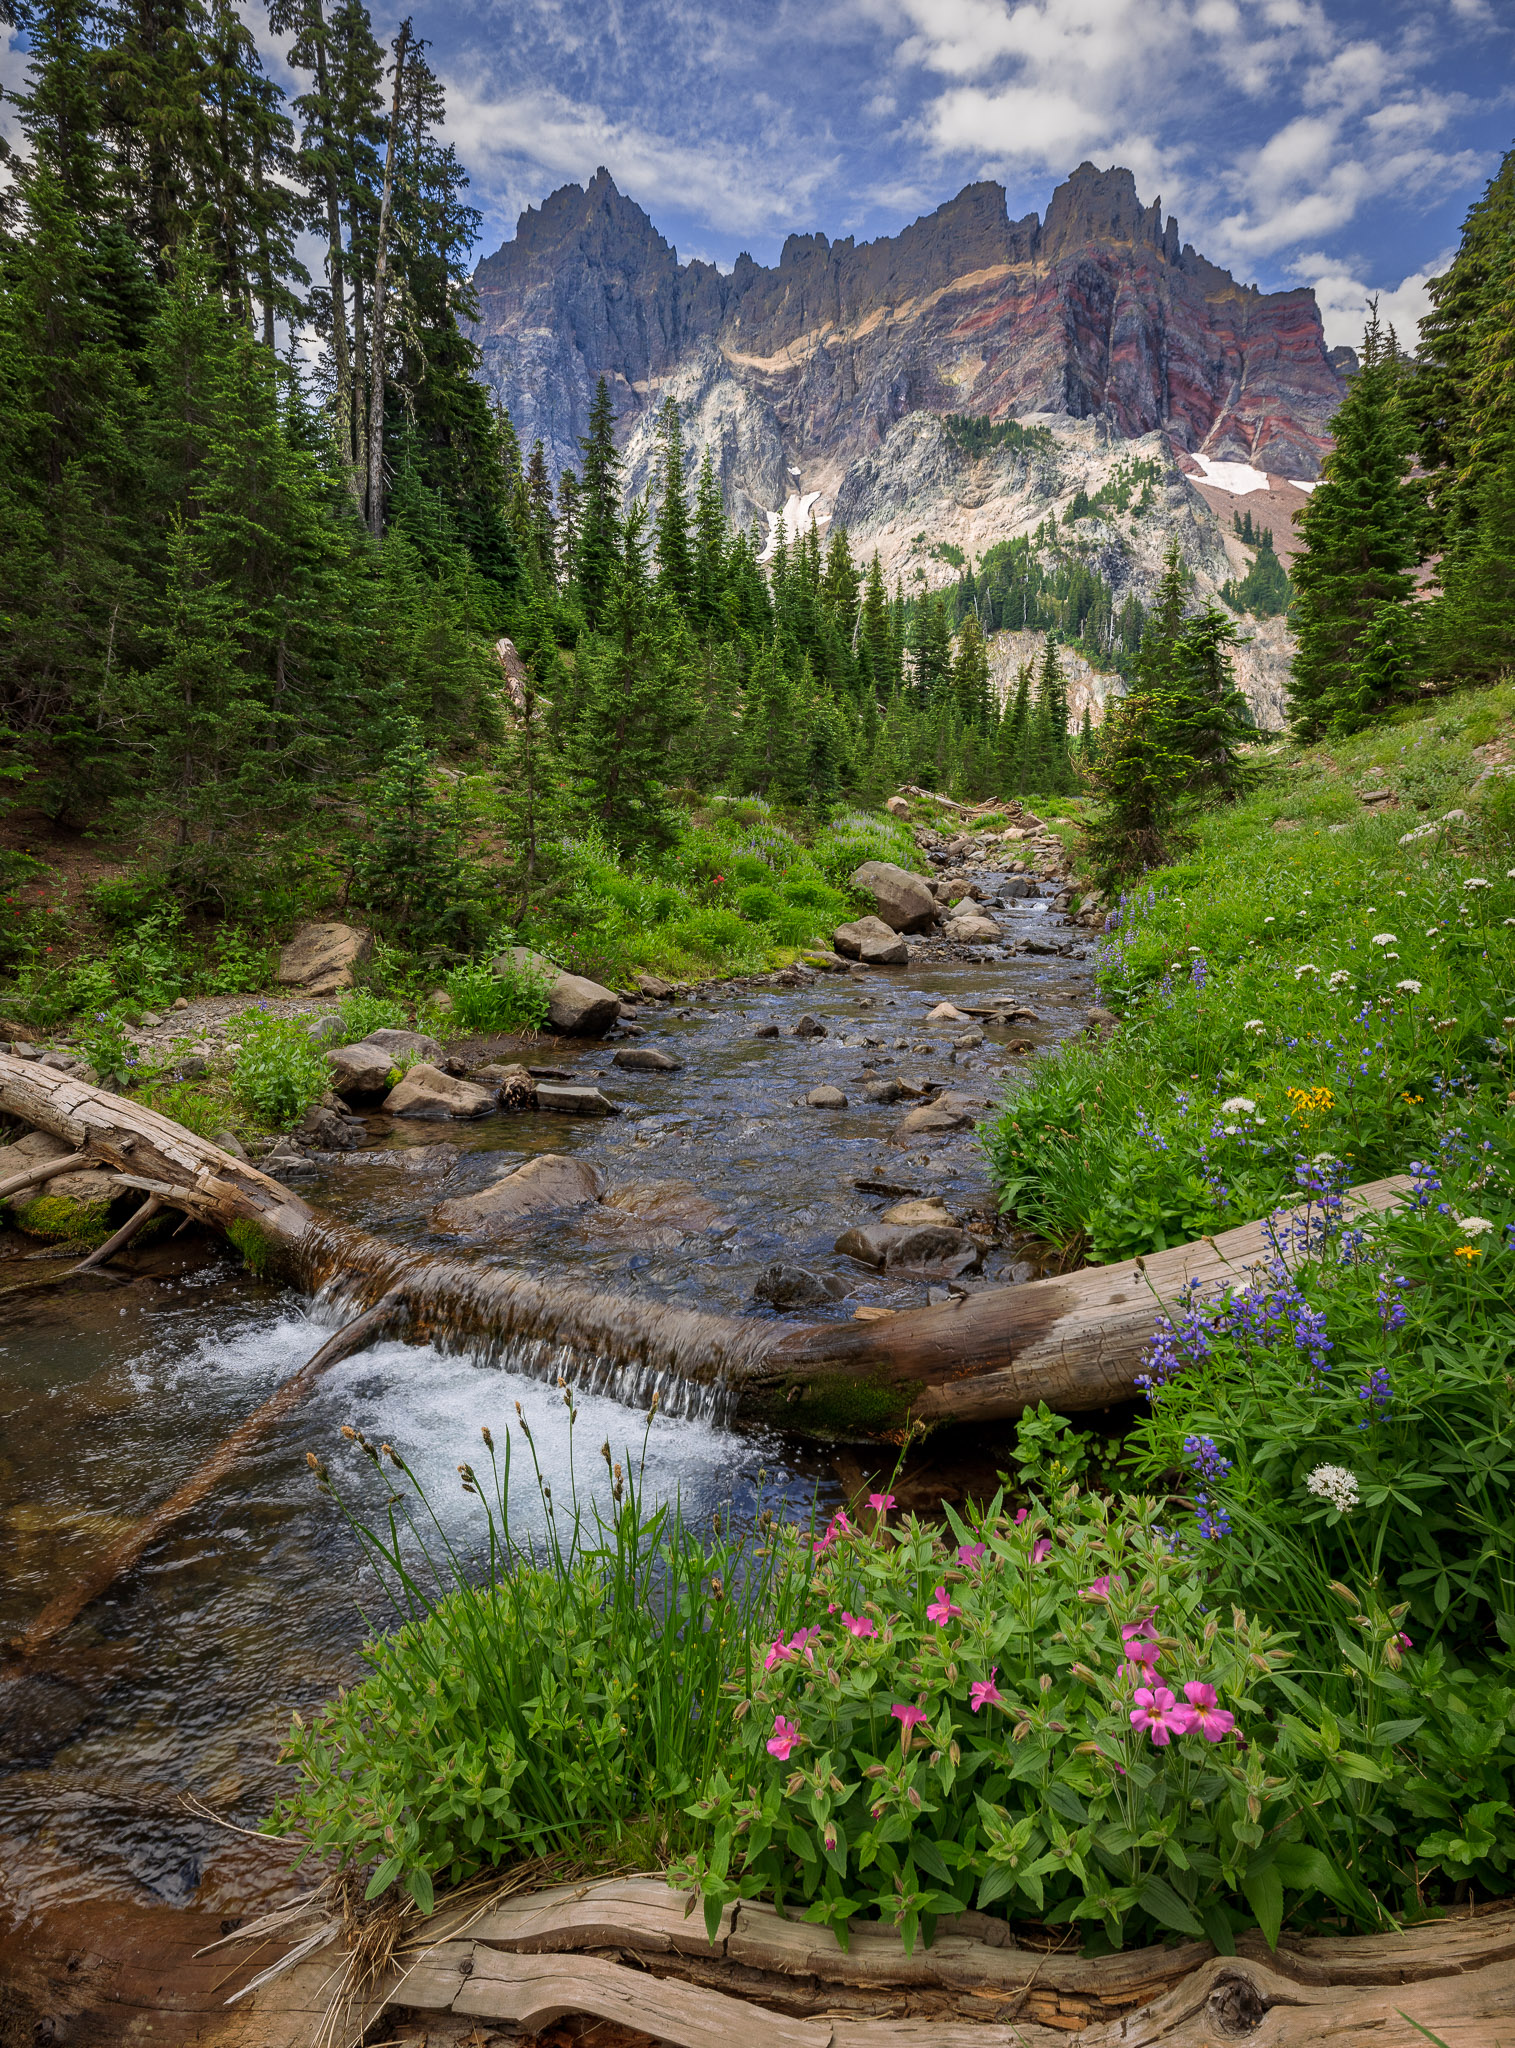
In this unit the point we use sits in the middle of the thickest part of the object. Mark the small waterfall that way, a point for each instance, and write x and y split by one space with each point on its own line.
631 1351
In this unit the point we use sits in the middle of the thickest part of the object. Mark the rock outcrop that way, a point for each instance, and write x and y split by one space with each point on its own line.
1098 310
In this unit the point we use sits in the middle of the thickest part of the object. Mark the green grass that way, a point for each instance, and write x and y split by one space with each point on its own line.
1350 989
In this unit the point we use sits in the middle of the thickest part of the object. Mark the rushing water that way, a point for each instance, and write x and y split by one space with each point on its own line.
181 1681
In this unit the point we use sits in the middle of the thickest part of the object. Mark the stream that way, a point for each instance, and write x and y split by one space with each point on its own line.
181 1681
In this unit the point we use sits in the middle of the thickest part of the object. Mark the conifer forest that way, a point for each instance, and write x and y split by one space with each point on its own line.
757 1265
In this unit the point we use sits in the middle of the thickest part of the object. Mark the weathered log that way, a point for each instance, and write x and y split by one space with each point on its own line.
122 1555
628 1950
45 1169
1075 1342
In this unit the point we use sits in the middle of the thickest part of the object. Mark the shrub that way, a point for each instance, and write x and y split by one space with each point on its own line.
361 1011
555 1706
243 964
512 999
761 905
280 1070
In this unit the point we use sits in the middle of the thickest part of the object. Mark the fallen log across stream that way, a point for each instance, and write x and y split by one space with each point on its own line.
1075 1341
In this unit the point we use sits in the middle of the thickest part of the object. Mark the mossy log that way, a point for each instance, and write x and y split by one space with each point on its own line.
1075 1342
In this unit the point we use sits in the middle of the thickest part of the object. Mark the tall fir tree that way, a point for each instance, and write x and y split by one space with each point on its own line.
1361 539
600 549
635 704
675 556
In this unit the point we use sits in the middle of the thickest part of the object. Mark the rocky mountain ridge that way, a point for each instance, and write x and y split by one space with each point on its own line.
820 385
1100 310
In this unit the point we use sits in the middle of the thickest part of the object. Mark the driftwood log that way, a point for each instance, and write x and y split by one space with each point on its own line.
1075 1342
629 1952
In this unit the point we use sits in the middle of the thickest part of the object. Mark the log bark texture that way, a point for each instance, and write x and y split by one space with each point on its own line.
1075 1342
629 1952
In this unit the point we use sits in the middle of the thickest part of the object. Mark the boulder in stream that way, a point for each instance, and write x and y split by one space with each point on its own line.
547 1183
904 901
974 930
809 1027
931 1119
677 1202
925 1209
411 1045
766 1031
795 1287
886 1090
946 1013
826 1097
427 1092
871 941
569 1100
932 1251
71 1208
646 1059
361 1069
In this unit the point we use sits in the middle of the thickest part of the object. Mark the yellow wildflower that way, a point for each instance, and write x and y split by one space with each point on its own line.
1466 1251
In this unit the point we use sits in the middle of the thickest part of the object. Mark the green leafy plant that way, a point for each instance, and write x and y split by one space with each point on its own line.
512 998
279 1071
361 1011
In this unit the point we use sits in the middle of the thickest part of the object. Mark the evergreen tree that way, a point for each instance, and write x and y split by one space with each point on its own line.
1461 390
529 771
600 550
841 586
932 651
675 557
1470 628
775 754
1361 538
543 524
1010 743
1204 715
710 552
970 678
635 704
876 632
567 526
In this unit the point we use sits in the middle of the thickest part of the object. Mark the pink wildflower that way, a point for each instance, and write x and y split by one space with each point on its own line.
941 1610
1099 1589
1020 1515
1141 1660
881 1503
1158 1712
800 1643
1213 1722
785 1735
1041 1548
821 1544
984 1692
1403 1642
858 1625
840 1524
779 1652
908 1717
969 1555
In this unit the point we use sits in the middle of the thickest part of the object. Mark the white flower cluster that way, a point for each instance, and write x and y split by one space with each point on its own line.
1385 938
1474 1226
1334 1483
1409 988
1254 1024
1337 979
1307 968
1237 1105
1475 882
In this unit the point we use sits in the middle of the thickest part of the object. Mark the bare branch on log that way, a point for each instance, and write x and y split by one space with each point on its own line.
46 1169
109 1567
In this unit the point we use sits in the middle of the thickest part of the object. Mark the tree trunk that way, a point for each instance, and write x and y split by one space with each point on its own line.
377 342
1076 1341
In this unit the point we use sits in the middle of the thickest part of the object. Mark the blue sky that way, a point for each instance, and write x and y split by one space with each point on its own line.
1336 143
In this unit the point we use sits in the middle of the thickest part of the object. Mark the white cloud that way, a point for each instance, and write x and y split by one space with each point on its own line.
1343 298
520 145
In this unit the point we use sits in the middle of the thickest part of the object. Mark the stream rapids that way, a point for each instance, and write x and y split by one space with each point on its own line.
179 1684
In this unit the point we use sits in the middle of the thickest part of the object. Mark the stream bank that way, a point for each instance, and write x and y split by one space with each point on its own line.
181 1681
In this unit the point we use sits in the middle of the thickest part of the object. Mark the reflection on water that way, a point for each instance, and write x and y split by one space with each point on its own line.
183 1679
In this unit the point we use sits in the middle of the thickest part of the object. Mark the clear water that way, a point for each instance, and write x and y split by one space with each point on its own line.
182 1680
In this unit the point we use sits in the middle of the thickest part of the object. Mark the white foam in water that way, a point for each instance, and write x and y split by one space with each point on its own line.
431 1405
